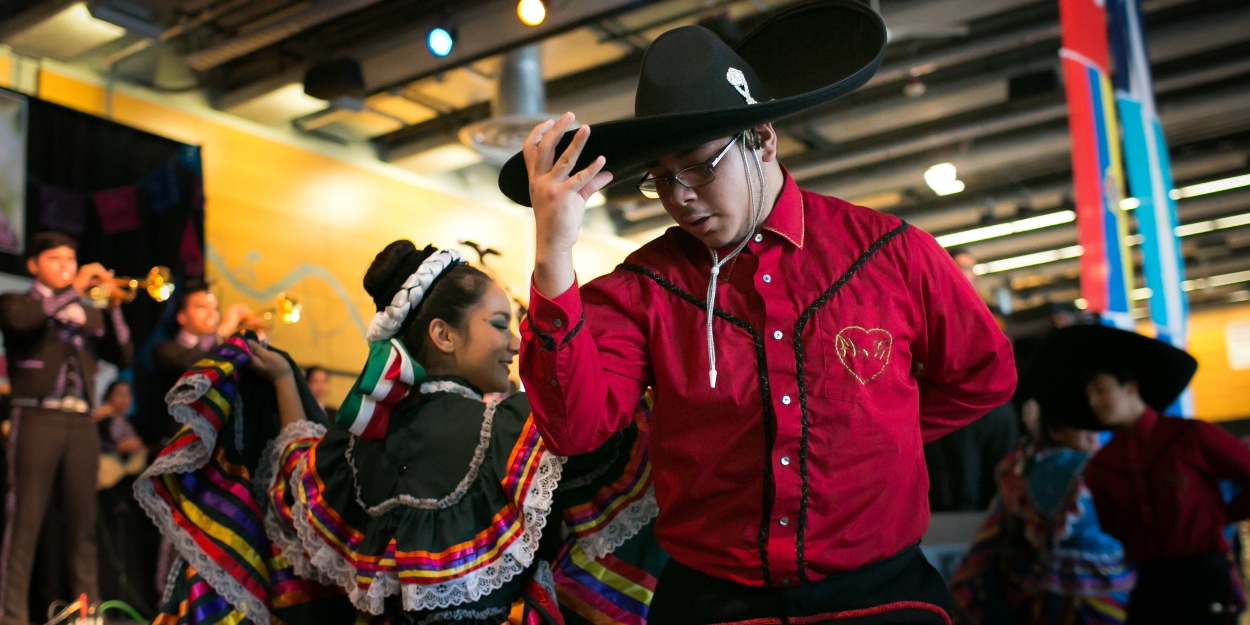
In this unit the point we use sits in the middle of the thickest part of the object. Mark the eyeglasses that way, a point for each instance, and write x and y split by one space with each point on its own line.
654 188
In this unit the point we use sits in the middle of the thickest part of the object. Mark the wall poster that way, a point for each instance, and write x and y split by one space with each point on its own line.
13 117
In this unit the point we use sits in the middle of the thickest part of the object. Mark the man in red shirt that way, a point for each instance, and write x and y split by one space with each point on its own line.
788 422
1156 484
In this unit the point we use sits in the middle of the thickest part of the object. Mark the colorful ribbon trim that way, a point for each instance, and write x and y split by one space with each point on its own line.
426 567
388 375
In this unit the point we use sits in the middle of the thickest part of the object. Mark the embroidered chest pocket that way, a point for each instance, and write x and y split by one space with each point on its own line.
853 353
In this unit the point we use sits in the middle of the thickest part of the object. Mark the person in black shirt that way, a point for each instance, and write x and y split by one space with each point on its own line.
53 344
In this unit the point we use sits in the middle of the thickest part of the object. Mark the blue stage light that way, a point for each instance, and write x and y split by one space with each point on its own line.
440 42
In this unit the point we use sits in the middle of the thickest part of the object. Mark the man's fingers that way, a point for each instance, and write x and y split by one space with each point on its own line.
530 149
583 181
601 180
568 159
545 151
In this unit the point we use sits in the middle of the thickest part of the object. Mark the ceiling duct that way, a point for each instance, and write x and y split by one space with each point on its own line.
519 105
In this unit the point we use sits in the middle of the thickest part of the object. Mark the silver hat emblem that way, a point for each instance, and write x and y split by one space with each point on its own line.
739 82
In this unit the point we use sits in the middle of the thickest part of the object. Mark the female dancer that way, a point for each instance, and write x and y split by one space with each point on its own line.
433 498
1040 557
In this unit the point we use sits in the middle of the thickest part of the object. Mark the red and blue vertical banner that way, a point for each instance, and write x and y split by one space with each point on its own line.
1149 178
1096 174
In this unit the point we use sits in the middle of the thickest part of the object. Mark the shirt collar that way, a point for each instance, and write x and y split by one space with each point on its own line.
786 219
203 343
41 289
1145 424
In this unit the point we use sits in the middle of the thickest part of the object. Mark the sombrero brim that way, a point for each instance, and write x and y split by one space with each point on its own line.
807 55
1057 375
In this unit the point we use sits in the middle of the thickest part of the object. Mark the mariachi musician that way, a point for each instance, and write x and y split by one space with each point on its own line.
53 344
201 326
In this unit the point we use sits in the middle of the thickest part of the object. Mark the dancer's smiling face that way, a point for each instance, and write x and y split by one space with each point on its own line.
482 346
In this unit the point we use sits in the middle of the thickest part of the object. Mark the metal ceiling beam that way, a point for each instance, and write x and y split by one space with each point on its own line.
482 31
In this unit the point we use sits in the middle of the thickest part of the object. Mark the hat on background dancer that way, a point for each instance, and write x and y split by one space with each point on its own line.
1156 484
830 316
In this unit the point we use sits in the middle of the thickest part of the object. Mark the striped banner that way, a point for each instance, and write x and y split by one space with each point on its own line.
1106 272
1149 180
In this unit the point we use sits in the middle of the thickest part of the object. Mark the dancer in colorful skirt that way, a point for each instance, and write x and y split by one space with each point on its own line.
436 501
433 498
1040 556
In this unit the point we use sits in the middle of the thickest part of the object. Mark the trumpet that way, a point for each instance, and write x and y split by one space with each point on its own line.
285 310
158 284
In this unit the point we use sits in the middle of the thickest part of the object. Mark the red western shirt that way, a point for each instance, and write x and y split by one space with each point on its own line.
806 458
1156 487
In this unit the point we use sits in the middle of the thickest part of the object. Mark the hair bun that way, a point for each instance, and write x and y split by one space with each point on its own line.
391 267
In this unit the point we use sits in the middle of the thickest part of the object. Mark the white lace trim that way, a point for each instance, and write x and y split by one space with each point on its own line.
447 386
221 581
465 589
171 578
622 528
464 615
270 470
545 578
190 389
453 498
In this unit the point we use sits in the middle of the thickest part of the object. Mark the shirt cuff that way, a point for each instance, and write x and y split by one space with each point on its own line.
555 321
119 325
51 305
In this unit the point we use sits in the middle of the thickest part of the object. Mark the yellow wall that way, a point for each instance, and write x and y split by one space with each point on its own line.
1219 392
284 218
280 218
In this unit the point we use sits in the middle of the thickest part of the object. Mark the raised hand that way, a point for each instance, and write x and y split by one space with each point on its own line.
267 363
559 197
90 275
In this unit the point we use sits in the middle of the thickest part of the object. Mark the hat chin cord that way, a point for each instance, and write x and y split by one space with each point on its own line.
757 207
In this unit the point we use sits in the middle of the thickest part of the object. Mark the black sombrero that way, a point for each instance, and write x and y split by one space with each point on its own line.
694 88
1068 357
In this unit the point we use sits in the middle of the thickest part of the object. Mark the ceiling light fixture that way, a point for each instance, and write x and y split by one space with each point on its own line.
941 178
1214 281
1028 260
440 42
1200 227
531 12
1002 230
1214 186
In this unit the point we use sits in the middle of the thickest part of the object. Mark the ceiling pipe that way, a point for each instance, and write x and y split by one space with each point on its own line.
519 105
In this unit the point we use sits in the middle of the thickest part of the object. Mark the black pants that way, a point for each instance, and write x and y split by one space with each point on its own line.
901 589
52 454
1183 591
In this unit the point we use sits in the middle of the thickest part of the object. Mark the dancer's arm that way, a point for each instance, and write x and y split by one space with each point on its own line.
583 363
963 362
273 367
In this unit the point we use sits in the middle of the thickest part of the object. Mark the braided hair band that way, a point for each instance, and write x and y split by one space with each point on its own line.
390 371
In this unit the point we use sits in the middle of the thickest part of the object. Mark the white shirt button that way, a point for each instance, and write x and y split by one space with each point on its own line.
784 520
759 238
767 278
777 334
785 399
785 461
